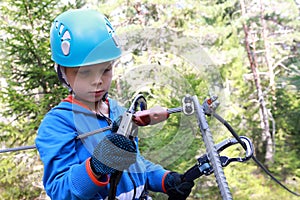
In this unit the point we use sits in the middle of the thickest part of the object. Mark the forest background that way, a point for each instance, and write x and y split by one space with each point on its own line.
246 52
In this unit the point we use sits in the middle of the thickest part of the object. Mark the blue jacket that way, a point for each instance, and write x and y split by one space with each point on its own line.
67 173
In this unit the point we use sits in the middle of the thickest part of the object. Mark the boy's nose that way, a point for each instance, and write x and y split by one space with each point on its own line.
97 79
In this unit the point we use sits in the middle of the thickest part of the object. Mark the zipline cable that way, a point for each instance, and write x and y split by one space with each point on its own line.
17 149
175 110
235 135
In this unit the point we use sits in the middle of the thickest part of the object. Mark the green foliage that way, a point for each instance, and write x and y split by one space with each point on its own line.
17 171
287 121
30 88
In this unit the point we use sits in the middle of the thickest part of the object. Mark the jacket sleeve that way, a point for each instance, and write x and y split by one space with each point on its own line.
155 175
67 174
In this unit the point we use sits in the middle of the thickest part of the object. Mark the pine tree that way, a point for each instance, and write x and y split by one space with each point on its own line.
29 89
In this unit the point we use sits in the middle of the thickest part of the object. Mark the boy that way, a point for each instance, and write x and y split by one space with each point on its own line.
84 49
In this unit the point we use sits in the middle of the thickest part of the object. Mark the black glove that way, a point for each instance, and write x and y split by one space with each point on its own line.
176 188
114 153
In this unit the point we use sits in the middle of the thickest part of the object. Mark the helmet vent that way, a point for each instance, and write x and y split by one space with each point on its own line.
111 32
66 36
56 24
61 28
109 27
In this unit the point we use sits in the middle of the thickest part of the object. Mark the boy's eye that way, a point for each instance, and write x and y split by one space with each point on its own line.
83 72
108 69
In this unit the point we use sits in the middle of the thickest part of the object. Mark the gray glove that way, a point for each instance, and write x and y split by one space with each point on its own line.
114 153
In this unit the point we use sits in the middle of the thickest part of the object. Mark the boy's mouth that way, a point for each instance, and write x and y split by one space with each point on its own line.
98 92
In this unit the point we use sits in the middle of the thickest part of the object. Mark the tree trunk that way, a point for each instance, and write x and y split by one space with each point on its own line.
266 135
270 148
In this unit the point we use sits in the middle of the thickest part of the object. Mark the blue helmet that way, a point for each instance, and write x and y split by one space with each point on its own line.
83 37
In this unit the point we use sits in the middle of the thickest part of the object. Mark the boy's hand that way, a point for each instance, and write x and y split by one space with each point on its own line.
114 153
176 188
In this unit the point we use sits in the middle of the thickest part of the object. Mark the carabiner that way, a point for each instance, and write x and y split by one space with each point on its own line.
232 141
139 100
125 126
203 167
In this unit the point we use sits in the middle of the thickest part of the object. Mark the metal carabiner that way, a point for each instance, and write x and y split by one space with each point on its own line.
125 125
140 101
203 167
232 141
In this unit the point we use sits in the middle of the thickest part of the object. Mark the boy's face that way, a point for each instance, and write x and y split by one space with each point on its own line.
90 83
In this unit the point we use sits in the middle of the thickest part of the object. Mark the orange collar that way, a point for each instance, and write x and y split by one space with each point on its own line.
72 100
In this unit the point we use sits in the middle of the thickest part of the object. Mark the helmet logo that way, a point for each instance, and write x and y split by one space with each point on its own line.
65 47
65 39
65 44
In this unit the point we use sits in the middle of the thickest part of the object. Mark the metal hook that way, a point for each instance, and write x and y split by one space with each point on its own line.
139 100
232 141
203 167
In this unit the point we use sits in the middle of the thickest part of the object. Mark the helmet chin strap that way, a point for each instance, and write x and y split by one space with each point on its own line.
62 76
104 98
